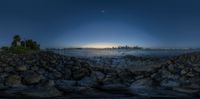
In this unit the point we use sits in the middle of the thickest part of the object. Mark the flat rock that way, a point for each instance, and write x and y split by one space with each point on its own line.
42 92
186 90
34 92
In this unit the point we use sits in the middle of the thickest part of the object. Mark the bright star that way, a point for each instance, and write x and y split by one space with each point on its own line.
102 11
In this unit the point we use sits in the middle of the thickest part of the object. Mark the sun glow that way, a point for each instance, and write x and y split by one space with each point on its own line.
99 45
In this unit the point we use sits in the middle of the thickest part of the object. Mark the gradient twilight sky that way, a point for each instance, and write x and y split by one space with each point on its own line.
88 23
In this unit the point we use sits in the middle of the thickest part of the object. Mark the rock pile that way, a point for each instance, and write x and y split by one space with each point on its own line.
45 74
178 77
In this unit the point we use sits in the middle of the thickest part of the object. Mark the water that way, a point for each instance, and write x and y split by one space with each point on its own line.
120 52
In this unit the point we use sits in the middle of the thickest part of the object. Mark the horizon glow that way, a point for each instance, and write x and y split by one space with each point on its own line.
100 45
94 23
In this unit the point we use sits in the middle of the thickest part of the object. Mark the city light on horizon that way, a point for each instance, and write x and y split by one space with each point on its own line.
99 45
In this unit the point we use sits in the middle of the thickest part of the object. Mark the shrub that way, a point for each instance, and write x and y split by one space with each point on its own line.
19 50
5 48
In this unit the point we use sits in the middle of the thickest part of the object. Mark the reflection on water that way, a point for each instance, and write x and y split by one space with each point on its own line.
120 52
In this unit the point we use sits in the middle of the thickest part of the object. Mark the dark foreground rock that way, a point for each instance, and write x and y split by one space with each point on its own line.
45 74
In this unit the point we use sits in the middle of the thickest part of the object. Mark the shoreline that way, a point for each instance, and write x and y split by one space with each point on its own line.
46 74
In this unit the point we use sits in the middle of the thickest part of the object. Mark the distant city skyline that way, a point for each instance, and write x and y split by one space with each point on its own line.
102 23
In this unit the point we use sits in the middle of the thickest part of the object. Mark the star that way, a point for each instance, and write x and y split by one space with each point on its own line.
102 11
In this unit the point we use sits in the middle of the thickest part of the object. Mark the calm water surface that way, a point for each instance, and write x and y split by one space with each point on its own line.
120 52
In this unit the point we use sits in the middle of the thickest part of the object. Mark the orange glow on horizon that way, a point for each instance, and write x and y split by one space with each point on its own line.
99 45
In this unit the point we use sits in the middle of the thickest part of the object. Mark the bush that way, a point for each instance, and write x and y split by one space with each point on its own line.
5 48
19 50
19 46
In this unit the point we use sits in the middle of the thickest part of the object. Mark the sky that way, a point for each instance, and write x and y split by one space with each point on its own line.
102 23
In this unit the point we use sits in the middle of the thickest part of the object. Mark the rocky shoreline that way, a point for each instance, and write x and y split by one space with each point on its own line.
46 74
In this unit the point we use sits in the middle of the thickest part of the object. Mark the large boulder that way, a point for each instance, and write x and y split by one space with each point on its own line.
65 85
88 81
13 80
170 83
70 86
78 73
32 78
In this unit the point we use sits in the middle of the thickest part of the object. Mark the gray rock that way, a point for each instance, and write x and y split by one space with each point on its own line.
67 73
114 87
168 75
65 83
190 74
1 69
35 68
50 83
3 86
69 86
42 92
41 71
79 73
8 69
197 69
57 74
32 78
21 68
169 83
47 83
87 81
99 75
3 75
142 83
13 81
183 72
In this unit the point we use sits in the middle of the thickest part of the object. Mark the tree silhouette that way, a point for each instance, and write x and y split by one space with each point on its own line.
16 40
27 44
